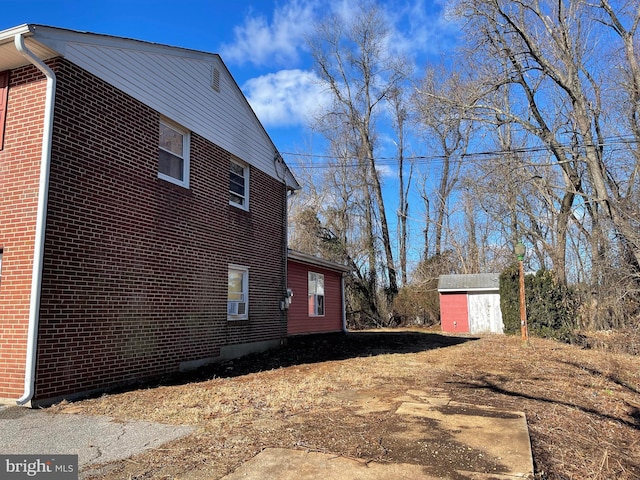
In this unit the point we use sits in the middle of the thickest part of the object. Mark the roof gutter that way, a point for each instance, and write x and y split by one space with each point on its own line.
10 34
41 219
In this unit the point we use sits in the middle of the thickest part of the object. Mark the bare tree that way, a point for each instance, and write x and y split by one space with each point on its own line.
442 101
541 50
332 218
399 112
352 61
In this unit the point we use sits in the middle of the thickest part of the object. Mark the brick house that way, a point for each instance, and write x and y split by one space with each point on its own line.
142 214
470 303
317 303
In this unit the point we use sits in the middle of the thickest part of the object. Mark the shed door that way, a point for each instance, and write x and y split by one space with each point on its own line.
484 313
454 312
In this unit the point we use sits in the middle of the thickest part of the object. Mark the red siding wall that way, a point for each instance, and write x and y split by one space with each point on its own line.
299 321
19 176
454 315
135 272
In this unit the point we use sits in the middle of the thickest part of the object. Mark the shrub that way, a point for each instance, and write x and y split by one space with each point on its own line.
551 305
510 299
417 305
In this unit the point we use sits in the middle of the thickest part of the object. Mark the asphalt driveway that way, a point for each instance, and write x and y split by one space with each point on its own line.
95 439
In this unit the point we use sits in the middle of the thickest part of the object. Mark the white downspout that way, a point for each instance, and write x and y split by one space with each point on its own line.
344 306
41 218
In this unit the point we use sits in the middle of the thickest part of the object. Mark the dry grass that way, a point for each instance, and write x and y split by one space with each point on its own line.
582 406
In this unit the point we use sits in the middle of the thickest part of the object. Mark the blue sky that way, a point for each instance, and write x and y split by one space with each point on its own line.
262 43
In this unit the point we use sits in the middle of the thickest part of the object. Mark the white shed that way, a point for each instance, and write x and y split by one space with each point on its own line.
470 303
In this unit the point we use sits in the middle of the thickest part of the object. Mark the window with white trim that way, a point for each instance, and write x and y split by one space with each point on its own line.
239 185
173 160
316 294
238 293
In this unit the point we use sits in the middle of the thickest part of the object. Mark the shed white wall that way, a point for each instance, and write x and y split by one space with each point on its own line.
485 315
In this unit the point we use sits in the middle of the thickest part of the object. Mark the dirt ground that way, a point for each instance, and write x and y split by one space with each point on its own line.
337 393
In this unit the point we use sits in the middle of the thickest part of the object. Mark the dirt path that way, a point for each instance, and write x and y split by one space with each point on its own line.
338 393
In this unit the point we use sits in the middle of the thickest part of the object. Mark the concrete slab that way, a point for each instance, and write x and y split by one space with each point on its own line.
283 464
94 439
503 435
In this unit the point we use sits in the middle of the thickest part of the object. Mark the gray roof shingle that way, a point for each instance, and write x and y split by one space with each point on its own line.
480 281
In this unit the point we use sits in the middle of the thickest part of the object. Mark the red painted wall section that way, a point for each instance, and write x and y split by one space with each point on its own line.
19 177
298 319
454 316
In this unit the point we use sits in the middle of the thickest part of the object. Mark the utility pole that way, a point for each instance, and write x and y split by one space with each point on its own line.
520 250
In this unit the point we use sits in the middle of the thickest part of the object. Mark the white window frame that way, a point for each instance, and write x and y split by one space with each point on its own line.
232 311
245 170
314 294
186 142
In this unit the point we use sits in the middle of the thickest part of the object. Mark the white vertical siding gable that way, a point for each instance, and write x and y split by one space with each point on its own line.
178 84
180 88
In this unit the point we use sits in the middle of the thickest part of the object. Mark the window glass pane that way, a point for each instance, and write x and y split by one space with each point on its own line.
320 284
316 294
236 199
171 165
236 184
237 293
312 283
237 169
320 304
171 140
236 278
312 305
316 283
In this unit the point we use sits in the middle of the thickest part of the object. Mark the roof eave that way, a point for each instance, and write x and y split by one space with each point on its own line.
462 289
11 58
8 35
320 262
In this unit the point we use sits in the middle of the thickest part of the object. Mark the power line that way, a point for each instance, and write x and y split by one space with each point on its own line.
471 156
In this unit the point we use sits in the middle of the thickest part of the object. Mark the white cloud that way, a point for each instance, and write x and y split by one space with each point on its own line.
385 171
418 26
421 27
285 98
262 43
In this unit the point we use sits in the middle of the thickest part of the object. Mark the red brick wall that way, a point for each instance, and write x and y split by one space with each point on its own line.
454 315
135 269
299 321
19 177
